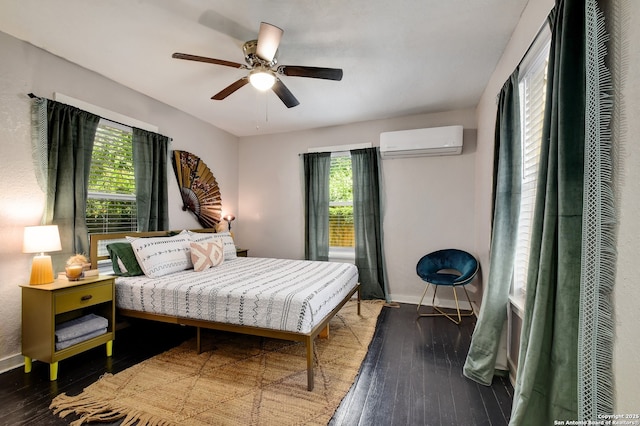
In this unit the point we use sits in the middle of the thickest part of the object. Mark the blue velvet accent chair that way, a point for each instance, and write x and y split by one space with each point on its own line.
448 267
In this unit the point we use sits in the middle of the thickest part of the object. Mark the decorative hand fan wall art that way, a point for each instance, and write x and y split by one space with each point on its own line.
198 188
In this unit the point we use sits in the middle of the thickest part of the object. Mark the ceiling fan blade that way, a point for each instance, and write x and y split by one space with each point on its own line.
284 94
268 41
230 89
312 72
208 60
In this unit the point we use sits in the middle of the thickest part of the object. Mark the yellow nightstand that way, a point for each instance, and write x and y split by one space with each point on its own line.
46 306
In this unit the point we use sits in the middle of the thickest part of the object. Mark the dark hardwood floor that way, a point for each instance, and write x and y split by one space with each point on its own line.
25 398
412 375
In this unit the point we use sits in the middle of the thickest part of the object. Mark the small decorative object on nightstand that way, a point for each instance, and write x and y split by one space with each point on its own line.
240 252
49 308
75 267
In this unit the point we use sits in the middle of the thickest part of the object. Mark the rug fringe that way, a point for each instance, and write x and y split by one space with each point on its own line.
90 410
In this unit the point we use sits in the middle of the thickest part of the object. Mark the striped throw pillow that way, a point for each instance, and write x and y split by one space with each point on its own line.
225 237
159 256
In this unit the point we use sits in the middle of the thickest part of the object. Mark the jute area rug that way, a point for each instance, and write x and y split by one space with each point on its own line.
237 380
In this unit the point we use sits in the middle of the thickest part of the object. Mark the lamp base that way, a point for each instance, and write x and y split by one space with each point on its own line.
41 270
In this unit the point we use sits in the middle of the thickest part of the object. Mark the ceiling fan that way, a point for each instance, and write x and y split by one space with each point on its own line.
260 56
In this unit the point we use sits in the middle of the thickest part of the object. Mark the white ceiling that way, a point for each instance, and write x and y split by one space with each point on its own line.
399 57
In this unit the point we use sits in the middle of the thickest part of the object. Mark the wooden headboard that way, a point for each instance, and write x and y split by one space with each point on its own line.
95 240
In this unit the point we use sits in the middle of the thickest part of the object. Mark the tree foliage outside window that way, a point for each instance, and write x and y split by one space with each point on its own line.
111 198
341 179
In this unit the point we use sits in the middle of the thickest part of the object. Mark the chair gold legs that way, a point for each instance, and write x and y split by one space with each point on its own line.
440 312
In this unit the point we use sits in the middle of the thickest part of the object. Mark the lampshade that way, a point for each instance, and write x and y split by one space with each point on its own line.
262 79
41 239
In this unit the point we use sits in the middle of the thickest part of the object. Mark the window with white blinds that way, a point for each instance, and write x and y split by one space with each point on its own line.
341 230
533 83
111 198
341 201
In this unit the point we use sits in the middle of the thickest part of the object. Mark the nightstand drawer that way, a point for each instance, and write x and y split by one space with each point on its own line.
83 296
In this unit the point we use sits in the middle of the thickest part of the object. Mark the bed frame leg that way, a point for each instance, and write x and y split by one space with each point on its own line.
198 341
309 363
359 298
324 334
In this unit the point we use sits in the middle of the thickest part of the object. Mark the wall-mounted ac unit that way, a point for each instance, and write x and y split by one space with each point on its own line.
421 142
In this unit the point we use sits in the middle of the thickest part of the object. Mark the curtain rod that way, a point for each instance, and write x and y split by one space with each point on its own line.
32 96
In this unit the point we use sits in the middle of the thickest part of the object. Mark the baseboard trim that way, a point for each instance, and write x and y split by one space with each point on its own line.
11 362
443 303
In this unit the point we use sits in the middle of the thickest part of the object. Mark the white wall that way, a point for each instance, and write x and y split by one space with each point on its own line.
429 202
25 69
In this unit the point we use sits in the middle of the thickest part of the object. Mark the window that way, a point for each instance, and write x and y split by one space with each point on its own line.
533 84
341 229
111 198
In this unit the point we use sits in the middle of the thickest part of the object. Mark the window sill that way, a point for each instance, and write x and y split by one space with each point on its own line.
517 301
342 254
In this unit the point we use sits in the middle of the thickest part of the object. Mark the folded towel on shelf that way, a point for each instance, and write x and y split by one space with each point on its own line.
80 326
69 342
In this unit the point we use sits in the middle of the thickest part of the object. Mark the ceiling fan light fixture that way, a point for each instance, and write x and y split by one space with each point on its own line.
262 79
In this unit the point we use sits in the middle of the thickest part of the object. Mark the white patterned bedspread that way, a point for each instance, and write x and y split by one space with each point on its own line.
280 294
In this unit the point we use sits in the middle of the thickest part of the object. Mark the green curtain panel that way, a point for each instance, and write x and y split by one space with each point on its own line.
316 205
70 134
150 164
546 385
367 222
39 144
481 359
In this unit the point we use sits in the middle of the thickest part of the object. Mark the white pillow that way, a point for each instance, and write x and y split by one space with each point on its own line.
206 255
159 256
227 241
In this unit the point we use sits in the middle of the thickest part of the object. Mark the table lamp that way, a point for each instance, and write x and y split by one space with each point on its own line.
229 218
41 239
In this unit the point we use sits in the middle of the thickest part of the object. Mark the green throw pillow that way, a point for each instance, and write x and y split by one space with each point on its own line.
124 253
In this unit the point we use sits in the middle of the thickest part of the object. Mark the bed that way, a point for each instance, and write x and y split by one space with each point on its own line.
277 298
